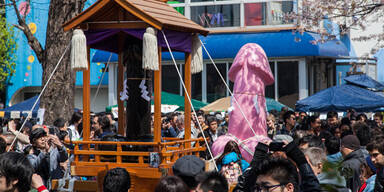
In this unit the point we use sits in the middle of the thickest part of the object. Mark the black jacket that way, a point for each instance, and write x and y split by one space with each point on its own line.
379 182
350 169
309 182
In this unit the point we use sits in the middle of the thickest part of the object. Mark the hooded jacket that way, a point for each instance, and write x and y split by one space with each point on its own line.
350 169
233 157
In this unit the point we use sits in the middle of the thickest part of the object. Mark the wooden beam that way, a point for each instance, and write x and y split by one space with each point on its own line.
120 87
106 25
85 15
86 101
140 14
157 93
187 105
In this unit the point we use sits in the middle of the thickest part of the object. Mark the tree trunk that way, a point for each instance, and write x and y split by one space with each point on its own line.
58 98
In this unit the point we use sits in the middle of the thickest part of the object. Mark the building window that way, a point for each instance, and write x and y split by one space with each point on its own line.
216 15
229 13
288 82
216 88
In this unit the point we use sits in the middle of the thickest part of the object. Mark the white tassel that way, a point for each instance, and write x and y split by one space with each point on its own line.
150 54
197 55
79 59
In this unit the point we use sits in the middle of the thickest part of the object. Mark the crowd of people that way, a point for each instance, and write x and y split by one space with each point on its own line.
305 153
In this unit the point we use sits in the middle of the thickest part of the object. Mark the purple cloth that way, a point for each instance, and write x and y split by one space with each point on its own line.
107 39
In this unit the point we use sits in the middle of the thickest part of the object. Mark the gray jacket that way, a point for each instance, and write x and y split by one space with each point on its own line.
47 165
351 169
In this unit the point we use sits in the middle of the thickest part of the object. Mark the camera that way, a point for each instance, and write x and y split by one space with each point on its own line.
276 146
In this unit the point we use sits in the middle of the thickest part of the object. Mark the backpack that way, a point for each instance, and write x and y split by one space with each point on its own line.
231 172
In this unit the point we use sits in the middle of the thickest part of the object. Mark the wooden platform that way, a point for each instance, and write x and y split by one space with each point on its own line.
92 162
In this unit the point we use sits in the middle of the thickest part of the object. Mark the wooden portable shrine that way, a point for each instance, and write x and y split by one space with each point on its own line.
106 24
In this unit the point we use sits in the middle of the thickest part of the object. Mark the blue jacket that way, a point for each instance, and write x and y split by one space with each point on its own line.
370 184
233 157
334 158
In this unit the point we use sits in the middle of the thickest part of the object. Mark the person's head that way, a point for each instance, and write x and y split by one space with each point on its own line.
180 122
289 119
310 141
188 168
315 156
378 117
365 172
201 118
174 118
212 124
315 122
60 123
362 132
104 123
337 132
361 118
213 182
231 146
349 144
332 118
76 118
3 145
38 138
376 151
15 172
276 175
117 180
302 115
110 116
271 120
345 128
332 145
171 184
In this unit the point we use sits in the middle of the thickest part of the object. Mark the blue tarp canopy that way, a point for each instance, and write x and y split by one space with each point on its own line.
22 108
342 98
275 44
364 81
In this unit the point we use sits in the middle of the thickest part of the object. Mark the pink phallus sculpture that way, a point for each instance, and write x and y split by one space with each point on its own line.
250 72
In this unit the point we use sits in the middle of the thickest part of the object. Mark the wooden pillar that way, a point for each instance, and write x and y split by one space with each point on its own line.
187 105
157 101
86 100
120 87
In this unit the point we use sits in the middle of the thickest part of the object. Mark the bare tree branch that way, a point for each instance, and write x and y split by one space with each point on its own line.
32 40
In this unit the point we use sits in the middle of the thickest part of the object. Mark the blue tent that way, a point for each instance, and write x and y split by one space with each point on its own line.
22 108
364 81
341 98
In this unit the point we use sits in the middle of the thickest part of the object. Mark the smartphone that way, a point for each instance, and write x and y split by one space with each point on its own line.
51 130
276 146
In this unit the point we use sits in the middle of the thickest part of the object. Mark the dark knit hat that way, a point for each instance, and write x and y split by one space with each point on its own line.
37 133
188 165
350 142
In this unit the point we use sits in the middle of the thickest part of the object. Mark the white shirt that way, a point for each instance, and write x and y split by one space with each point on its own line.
75 133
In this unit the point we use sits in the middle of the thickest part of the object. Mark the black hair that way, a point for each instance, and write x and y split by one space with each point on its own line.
15 166
171 184
104 123
362 133
332 114
215 182
59 122
287 115
117 180
361 116
332 145
231 146
378 114
3 145
76 117
281 170
313 141
313 118
211 119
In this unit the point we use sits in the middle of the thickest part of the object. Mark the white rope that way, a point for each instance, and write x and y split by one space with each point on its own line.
101 80
190 101
38 98
225 83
